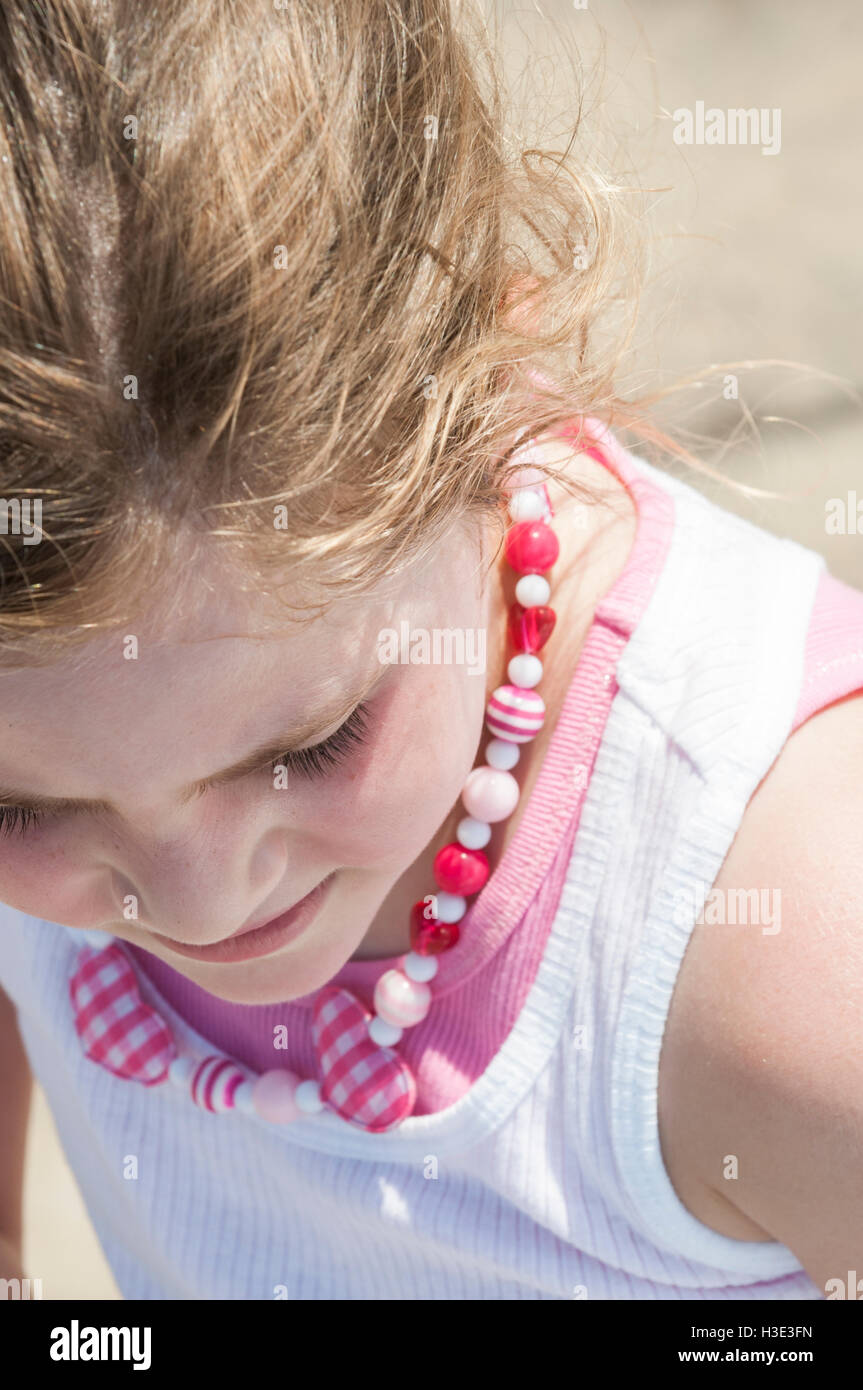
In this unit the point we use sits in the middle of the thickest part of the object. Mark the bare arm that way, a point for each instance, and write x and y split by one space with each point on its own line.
16 1086
767 1055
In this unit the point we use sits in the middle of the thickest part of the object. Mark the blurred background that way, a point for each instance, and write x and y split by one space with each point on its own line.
752 257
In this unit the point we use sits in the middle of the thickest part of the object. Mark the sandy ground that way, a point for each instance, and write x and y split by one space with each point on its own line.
753 256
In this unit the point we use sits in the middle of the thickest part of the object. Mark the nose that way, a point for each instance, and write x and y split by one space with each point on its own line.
201 889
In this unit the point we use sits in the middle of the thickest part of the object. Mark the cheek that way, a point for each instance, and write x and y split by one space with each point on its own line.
40 876
391 796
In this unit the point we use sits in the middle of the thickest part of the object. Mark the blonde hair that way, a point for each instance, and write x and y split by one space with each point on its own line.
260 256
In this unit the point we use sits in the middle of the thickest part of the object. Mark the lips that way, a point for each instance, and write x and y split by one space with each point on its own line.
247 943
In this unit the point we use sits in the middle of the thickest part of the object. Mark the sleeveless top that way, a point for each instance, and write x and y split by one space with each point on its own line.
531 1166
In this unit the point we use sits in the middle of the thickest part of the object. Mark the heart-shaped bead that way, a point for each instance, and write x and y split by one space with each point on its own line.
429 936
530 628
370 1086
118 1030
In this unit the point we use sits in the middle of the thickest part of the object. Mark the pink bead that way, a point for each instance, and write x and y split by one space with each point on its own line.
213 1083
400 1000
489 794
460 870
429 936
531 547
530 628
273 1096
524 477
523 459
515 714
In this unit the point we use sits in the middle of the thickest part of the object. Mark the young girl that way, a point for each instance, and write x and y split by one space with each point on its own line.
431 864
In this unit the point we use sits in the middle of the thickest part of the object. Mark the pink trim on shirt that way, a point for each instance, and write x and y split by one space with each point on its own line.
482 985
833 663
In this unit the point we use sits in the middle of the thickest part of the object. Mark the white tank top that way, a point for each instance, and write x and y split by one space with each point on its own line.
545 1180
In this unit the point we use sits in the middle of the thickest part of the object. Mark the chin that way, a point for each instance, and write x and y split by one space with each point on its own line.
276 979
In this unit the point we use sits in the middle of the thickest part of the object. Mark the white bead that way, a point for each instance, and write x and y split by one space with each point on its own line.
450 907
383 1033
532 591
98 939
420 968
180 1071
504 757
525 670
307 1097
526 504
472 833
243 1098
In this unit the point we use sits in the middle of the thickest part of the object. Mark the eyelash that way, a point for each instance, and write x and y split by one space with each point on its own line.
323 757
18 818
309 762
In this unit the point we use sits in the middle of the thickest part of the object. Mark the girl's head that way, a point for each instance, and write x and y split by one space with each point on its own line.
268 334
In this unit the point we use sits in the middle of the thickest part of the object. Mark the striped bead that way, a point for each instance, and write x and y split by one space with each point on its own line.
400 1000
213 1083
515 714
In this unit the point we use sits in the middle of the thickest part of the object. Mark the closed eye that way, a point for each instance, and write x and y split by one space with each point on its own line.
312 762
323 757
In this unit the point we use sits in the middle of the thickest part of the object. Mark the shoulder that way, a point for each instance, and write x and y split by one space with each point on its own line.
761 1082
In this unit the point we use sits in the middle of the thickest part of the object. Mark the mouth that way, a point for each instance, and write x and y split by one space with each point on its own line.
247 943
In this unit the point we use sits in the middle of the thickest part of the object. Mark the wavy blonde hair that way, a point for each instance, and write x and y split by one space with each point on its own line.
266 263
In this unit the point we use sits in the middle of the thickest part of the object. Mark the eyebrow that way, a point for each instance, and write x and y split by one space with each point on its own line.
253 761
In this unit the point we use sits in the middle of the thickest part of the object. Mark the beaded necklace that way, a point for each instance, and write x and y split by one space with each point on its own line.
362 1078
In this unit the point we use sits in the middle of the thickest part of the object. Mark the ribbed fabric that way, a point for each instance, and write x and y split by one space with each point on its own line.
544 1177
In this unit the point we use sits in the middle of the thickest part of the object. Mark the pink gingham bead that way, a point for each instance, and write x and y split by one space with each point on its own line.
515 713
401 1001
214 1082
490 794
273 1096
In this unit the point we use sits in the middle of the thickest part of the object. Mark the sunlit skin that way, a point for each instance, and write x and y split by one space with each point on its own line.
231 674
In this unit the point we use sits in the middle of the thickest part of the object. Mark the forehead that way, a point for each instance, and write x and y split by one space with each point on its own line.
211 635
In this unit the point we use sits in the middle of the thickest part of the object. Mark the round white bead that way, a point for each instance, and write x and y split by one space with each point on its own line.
525 670
98 939
420 968
451 907
532 591
307 1097
383 1033
503 756
180 1071
243 1098
473 833
526 504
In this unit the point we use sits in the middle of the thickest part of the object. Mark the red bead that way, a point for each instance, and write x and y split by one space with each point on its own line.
429 936
531 547
460 870
530 628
